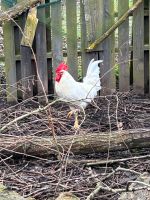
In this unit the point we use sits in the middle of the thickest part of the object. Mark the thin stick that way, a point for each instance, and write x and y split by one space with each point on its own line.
27 115
103 162
116 25
100 184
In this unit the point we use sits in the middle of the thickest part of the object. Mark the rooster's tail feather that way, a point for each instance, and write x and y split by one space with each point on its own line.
92 75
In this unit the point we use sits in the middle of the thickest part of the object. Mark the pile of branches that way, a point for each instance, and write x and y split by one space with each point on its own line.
119 111
47 178
88 176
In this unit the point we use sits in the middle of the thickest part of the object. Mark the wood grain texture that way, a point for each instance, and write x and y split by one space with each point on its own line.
107 70
149 49
26 72
41 50
123 46
82 143
91 27
138 49
56 26
10 67
71 21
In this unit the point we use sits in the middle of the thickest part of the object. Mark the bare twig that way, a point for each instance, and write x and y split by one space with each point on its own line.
100 184
102 162
139 182
27 115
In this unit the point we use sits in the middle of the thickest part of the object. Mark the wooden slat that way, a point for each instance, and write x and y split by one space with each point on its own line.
107 71
71 21
26 72
146 53
49 48
123 46
91 28
149 48
26 67
10 67
48 27
56 26
41 51
138 49
84 42
17 38
87 17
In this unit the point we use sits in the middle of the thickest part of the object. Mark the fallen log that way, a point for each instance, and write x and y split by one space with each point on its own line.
16 10
78 144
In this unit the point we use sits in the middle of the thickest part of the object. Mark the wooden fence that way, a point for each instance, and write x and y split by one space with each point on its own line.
67 29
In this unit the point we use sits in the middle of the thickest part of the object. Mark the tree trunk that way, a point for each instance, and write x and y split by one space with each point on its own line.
78 144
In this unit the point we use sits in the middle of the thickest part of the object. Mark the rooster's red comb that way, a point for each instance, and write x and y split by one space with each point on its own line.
62 66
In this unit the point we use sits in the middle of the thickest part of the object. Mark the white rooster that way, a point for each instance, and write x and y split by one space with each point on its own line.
78 94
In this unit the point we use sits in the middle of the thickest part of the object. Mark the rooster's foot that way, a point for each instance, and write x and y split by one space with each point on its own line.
70 114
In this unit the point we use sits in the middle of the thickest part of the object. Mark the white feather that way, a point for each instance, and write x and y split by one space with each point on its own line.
80 93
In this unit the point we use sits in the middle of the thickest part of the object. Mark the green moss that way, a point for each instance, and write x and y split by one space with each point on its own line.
6 194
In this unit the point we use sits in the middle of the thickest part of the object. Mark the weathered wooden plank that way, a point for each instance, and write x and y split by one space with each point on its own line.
49 48
41 51
26 72
56 26
138 49
18 79
30 28
71 22
91 28
86 28
123 46
26 67
107 70
149 48
48 27
84 42
10 67
50 77
146 53
17 39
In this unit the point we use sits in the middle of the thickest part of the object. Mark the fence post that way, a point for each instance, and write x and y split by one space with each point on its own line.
26 66
123 48
149 48
10 65
91 29
71 20
56 26
107 70
138 49
41 54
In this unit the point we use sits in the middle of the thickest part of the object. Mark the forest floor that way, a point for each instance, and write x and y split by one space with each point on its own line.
45 178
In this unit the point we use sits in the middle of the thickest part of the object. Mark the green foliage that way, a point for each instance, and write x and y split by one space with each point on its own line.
9 3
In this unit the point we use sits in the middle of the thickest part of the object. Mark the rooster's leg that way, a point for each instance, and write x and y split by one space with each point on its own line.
76 123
